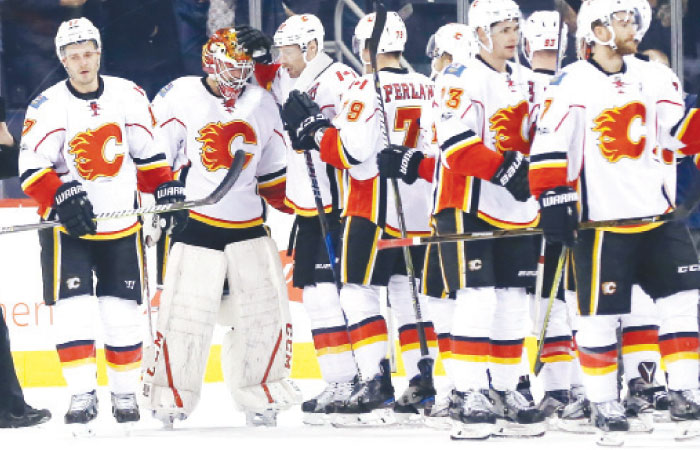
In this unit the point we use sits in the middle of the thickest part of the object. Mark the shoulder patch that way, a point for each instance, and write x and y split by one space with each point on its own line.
165 89
454 69
557 79
37 102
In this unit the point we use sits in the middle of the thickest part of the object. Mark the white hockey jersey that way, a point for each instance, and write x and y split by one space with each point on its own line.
609 135
101 140
325 81
358 136
203 134
482 113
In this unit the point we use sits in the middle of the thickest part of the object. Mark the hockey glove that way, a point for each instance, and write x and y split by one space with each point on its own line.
513 175
74 209
255 43
303 118
559 215
171 192
397 161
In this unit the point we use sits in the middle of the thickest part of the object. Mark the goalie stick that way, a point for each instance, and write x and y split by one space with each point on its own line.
216 195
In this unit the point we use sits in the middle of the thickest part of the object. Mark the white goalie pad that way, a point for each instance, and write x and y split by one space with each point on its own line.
173 372
256 354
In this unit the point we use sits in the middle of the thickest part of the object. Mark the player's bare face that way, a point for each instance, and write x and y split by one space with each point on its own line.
292 59
505 37
82 62
625 26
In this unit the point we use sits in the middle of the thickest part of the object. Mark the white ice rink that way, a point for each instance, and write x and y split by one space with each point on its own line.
215 425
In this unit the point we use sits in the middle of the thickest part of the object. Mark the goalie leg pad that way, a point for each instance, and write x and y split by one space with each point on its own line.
189 306
256 354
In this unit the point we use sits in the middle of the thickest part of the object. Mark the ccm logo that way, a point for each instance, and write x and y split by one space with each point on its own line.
690 268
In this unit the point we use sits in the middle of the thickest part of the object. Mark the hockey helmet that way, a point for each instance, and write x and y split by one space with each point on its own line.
485 13
300 30
456 39
392 39
75 31
221 56
602 12
541 32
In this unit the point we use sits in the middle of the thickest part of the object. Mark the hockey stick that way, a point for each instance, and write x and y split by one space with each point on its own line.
538 284
216 195
379 24
552 295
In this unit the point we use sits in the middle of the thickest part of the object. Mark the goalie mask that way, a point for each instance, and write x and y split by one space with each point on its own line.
392 39
226 60
602 13
485 13
300 30
541 32
75 31
457 40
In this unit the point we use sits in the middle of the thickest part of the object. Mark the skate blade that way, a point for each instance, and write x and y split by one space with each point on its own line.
81 430
377 418
578 426
437 422
168 419
611 438
662 416
408 419
505 428
473 431
687 430
316 419
642 424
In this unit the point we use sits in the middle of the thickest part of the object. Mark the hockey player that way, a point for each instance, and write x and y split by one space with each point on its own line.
204 120
303 65
352 143
451 43
482 184
619 133
86 141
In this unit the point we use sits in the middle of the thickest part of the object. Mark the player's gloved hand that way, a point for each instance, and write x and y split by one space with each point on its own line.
559 215
303 118
256 43
171 192
397 161
74 209
513 175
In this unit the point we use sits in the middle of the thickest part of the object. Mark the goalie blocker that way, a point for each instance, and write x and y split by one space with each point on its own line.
256 351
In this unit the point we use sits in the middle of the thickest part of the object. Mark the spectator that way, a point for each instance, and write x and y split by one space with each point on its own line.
191 23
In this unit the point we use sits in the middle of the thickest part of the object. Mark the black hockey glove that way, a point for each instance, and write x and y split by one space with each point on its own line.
74 209
303 118
171 192
397 161
256 43
559 215
513 175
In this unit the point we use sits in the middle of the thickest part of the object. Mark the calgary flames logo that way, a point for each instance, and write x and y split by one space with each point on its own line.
216 139
88 147
621 131
509 126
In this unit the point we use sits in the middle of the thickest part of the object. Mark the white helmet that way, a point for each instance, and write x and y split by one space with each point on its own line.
300 30
74 31
392 39
645 15
593 11
484 13
457 39
541 32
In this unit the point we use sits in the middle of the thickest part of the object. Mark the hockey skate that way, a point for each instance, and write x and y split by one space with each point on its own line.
371 402
317 410
267 418
524 388
125 408
611 422
472 415
639 406
576 416
420 392
82 410
553 402
516 416
437 413
684 408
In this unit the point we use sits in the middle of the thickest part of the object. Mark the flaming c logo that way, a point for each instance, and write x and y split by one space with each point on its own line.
89 150
508 124
615 126
216 139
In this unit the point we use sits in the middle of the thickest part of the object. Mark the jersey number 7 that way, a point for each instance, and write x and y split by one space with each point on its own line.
407 119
